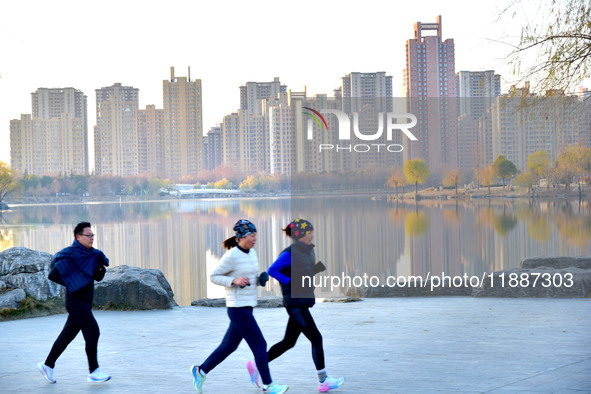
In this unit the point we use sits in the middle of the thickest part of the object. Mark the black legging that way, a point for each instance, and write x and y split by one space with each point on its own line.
79 307
300 321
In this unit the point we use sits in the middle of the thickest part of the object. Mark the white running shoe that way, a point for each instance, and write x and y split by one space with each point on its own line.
46 372
98 376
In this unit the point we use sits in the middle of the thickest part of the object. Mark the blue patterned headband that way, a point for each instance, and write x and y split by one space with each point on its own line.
243 228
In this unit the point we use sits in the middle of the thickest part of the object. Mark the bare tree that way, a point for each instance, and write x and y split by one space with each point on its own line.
560 35
452 178
396 179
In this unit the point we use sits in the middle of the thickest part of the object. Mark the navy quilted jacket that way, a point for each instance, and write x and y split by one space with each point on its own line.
76 265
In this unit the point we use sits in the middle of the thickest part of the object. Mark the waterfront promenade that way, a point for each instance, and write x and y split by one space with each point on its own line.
393 345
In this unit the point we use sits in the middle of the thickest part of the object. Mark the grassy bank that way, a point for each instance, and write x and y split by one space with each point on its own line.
497 192
30 307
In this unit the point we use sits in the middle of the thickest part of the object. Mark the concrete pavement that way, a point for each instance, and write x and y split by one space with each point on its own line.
393 345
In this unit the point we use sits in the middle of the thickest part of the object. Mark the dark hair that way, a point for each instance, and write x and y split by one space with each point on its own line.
230 242
287 231
298 228
79 229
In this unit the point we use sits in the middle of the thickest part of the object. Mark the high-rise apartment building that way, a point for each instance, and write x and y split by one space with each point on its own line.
183 125
524 123
584 116
485 144
54 140
28 145
230 137
430 89
151 141
253 142
360 90
212 148
116 132
309 156
253 92
366 98
52 103
283 137
294 137
477 90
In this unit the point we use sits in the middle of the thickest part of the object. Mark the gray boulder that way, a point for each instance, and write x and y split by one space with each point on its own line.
27 269
270 302
569 282
583 262
343 300
12 298
266 302
134 288
210 302
416 288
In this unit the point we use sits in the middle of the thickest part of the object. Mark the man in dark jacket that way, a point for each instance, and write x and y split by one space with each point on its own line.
77 265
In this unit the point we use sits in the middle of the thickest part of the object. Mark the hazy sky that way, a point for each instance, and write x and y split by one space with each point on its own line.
89 45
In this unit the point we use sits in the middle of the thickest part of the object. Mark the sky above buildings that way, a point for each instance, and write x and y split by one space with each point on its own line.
89 45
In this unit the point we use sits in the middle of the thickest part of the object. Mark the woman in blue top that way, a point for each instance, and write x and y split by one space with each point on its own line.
294 269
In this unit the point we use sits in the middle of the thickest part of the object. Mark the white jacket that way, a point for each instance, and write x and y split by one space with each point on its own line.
235 264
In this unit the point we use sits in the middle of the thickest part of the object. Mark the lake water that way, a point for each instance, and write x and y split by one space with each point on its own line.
354 235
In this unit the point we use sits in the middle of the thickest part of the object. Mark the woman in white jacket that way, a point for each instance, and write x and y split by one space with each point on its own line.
238 273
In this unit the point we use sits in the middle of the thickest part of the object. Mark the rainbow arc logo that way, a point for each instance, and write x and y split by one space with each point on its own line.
318 115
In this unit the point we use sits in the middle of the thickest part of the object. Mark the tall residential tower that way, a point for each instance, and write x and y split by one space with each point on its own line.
54 140
367 96
183 125
430 88
151 141
477 91
116 148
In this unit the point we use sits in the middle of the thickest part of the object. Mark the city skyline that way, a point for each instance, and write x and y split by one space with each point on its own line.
145 64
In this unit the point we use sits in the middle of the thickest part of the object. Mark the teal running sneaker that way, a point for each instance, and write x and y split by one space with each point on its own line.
255 378
330 383
198 379
275 389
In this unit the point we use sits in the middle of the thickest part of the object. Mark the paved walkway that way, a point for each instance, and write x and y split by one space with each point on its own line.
396 345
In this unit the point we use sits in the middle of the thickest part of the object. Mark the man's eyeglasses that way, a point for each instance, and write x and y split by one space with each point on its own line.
88 235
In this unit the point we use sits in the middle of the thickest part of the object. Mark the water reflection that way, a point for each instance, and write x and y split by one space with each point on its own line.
6 239
417 223
354 235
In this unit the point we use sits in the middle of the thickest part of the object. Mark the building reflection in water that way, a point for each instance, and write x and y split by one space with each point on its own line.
355 236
